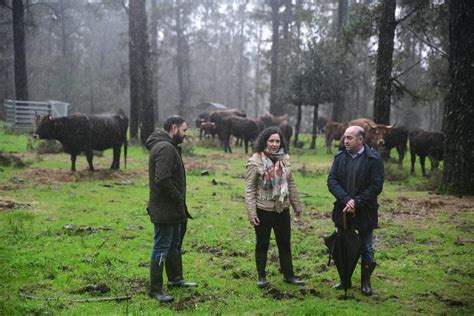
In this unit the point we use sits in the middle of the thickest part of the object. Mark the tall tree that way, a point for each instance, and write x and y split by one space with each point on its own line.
21 75
458 174
342 12
182 56
141 100
383 74
276 107
241 81
155 57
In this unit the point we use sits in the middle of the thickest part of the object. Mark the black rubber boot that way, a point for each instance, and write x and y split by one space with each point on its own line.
366 272
156 282
261 261
293 280
174 271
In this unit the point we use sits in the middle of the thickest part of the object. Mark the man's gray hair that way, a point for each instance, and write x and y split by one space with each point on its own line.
360 132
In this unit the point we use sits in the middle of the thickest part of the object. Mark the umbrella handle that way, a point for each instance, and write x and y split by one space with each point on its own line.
344 220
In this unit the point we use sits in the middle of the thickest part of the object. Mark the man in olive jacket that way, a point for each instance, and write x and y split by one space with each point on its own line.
356 179
167 205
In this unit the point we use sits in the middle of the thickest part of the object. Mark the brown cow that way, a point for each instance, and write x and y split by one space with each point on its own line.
333 130
374 133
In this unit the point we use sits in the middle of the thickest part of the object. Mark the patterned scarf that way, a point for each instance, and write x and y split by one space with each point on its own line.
275 185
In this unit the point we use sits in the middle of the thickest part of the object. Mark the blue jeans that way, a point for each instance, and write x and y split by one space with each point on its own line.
167 241
367 252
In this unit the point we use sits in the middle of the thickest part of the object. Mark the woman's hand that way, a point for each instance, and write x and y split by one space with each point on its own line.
255 221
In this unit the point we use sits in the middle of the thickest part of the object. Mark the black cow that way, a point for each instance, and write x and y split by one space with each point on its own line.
85 133
287 132
398 139
208 128
270 120
240 127
424 143
203 117
216 117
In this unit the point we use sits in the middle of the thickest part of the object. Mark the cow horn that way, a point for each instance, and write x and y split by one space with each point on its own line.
391 126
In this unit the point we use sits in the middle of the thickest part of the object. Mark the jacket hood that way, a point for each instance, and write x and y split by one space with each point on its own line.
156 137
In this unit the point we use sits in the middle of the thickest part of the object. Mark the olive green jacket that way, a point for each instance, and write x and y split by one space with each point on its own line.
254 181
167 180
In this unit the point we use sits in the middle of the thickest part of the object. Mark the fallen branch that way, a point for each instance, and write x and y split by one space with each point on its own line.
79 300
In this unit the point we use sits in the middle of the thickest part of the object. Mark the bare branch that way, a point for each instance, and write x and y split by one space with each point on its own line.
413 95
409 68
426 42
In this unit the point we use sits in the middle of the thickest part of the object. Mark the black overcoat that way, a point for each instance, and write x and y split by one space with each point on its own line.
369 184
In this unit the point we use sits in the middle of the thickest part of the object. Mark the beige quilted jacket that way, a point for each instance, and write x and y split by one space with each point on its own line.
253 181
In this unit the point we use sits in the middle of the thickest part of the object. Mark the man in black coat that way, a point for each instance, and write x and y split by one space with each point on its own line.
356 179
167 205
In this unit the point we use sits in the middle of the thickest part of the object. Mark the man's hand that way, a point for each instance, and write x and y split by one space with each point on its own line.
255 221
351 204
349 210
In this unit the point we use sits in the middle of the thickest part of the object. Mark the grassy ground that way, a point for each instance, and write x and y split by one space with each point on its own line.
67 236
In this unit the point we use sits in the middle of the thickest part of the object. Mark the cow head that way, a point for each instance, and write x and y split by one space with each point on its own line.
377 133
44 126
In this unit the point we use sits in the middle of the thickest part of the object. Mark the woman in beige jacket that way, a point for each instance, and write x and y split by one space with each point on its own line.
269 192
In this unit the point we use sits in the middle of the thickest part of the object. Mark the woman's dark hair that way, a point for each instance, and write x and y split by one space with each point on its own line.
173 120
261 142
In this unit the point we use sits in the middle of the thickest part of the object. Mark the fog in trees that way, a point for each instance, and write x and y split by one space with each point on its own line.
342 59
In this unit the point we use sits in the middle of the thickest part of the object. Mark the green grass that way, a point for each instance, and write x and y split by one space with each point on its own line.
424 244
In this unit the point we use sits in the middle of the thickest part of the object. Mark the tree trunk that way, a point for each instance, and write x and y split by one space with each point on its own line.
383 74
155 54
182 60
275 108
458 174
257 71
21 75
134 70
299 114
240 84
299 104
338 109
141 100
315 127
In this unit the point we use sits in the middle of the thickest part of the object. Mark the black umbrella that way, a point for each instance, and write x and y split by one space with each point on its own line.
344 248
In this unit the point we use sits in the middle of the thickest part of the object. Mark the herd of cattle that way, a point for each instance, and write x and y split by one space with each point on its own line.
384 138
229 123
81 133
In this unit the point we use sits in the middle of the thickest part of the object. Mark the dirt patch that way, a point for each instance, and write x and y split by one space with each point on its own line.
7 159
195 166
56 176
9 203
276 294
449 301
422 209
138 285
94 289
191 302
72 229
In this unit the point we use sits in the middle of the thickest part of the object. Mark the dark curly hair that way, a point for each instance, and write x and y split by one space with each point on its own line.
261 142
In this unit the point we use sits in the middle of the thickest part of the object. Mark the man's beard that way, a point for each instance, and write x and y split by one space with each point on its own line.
178 139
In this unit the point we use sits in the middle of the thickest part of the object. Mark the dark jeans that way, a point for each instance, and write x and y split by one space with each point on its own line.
167 240
281 225
367 252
